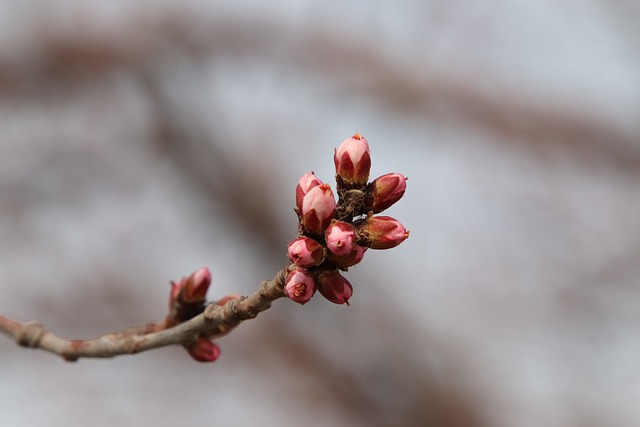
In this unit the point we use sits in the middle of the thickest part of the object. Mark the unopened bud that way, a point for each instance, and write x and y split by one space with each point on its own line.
349 260
306 183
353 160
383 232
306 252
384 191
318 208
299 285
340 237
176 287
334 287
190 289
204 350
197 285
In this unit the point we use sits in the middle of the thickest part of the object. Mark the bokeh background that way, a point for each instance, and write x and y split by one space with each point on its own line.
143 139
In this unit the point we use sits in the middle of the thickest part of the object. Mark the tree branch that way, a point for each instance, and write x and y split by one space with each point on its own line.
332 237
214 322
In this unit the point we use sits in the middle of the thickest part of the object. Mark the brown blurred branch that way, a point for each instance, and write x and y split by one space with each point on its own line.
407 86
215 321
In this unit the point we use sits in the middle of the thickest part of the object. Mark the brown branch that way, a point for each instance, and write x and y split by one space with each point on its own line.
215 321
403 86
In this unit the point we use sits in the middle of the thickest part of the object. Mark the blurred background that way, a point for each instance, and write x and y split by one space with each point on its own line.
144 139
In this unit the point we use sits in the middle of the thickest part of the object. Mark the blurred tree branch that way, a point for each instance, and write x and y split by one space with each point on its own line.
364 72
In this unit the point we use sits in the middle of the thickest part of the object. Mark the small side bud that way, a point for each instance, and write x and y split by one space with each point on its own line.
197 285
306 183
384 191
334 287
306 252
353 160
340 237
192 289
318 208
299 286
176 288
203 350
383 232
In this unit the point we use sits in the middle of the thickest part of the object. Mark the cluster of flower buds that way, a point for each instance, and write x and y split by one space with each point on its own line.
187 300
334 236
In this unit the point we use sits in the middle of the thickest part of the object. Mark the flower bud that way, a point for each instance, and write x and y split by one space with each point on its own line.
353 160
383 232
191 289
176 287
299 286
340 237
306 252
306 183
203 350
349 260
384 191
197 285
318 208
334 287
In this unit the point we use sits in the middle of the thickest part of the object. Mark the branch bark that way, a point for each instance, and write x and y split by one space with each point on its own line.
215 321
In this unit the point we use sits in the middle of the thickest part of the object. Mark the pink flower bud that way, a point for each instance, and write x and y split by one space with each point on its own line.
299 285
203 350
176 287
349 260
197 285
306 252
340 237
334 287
353 160
385 190
384 232
318 208
191 289
306 183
